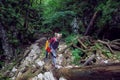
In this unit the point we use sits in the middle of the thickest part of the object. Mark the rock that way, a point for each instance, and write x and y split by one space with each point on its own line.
58 66
59 59
11 74
49 76
14 69
43 39
47 67
24 69
62 78
61 47
117 61
40 63
69 66
19 74
106 61
33 61
40 76
34 78
36 48
13 78
28 59
33 54
6 73
24 63
34 66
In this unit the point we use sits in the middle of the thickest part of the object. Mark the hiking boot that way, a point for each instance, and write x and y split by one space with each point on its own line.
45 59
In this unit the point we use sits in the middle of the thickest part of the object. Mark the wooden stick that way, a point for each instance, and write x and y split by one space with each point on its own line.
89 59
79 48
106 43
116 40
82 43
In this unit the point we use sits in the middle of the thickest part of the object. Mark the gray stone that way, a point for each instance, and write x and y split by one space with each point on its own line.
48 76
40 76
62 78
14 69
35 78
40 63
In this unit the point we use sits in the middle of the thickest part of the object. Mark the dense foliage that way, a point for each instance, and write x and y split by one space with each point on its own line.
22 21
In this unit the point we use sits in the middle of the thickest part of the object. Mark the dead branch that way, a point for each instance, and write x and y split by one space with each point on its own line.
115 47
107 44
116 40
90 58
82 43
115 43
79 48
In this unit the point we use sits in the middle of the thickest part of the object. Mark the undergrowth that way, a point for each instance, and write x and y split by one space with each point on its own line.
76 53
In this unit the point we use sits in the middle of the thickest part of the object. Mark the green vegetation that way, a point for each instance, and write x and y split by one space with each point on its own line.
76 56
71 38
3 78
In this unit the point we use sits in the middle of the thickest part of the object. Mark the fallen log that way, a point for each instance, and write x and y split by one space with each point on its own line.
96 72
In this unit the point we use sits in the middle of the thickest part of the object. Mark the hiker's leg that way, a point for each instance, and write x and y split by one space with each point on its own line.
46 54
54 60
53 57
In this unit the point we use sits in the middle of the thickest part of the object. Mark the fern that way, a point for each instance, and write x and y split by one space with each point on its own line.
70 39
76 56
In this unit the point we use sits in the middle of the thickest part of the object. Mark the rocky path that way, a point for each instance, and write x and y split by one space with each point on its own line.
33 66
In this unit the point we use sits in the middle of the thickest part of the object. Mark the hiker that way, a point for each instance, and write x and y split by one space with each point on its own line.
51 46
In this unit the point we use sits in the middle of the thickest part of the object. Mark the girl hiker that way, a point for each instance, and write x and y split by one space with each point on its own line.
51 46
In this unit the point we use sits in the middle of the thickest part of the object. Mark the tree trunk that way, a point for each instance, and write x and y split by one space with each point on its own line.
91 23
26 20
5 44
96 72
